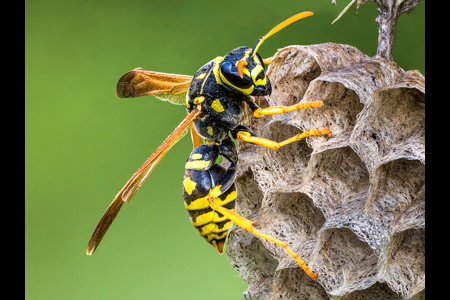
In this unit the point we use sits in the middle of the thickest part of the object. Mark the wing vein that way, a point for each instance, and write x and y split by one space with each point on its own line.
134 183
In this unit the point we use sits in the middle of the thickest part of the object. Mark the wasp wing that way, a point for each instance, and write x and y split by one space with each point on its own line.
135 182
164 86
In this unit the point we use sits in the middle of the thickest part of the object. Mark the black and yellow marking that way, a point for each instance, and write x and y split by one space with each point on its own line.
217 106
214 98
201 177
210 224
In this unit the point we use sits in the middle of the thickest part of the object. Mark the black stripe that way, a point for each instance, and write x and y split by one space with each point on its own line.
221 224
219 240
195 213
229 205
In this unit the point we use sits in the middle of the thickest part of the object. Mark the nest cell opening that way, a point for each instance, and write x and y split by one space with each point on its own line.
391 126
405 266
337 181
394 189
292 218
345 262
284 166
338 113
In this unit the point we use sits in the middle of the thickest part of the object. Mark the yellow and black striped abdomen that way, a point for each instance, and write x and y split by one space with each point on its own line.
211 225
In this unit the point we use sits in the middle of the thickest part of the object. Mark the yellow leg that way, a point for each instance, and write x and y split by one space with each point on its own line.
246 137
267 60
247 225
277 110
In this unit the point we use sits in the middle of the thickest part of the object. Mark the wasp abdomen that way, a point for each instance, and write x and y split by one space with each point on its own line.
211 225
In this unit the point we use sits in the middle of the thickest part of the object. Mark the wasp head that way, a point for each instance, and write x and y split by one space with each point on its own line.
242 71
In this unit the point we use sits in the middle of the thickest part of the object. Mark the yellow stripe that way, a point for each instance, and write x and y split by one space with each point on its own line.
227 226
218 219
204 81
203 219
207 229
230 197
197 156
199 203
211 230
215 236
202 203
217 62
247 91
197 164
211 216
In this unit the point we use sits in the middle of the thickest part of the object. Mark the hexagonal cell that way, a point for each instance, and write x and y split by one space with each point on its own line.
302 76
338 113
391 126
282 169
291 72
365 77
404 270
393 190
337 181
345 262
292 218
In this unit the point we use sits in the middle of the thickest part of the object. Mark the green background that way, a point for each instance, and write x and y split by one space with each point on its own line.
83 143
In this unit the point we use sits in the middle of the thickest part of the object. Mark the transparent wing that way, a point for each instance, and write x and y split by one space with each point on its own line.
135 182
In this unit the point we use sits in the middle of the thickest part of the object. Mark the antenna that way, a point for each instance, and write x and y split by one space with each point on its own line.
279 27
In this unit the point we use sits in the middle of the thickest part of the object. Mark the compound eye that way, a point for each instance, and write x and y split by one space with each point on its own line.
233 77
261 60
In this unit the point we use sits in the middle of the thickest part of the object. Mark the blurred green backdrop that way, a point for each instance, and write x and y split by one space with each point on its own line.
82 143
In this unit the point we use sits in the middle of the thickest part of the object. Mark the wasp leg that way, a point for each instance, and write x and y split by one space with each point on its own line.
228 150
248 226
277 110
267 60
242 133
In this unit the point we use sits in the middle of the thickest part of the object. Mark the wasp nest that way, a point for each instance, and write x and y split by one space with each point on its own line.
352 205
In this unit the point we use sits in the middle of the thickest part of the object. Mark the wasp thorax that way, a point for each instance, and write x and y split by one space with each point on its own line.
243 72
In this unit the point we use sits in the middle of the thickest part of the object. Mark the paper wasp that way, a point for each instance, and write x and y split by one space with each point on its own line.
214 99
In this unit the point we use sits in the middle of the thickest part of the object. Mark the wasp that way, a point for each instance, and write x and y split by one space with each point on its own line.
214 98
